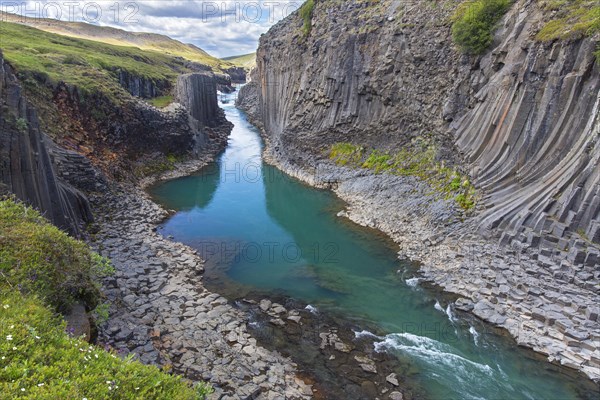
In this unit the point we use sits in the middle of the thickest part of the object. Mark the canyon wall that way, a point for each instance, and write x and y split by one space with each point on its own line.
26 167
521 120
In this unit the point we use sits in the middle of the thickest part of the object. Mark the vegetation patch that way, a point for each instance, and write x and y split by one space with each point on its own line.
306 12
418 161
570 19
474 23
161 101
41 268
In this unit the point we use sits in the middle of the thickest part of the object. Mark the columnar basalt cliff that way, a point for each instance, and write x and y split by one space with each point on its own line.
26 168
522 120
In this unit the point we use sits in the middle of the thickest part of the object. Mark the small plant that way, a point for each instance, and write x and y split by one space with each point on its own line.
378 161
346 153
22 125
474 23
306 12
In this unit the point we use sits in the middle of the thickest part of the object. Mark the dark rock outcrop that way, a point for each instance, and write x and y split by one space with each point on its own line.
26 167
142 87
197 92
237 74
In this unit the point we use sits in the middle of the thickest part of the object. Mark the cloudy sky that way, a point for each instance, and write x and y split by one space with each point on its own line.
221 27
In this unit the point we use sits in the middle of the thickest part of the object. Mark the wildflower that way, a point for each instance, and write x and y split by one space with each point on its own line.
22 389
40 384
137 388
9 338
37 337
108 382
14 348
12 326
96 355
6 306
3 357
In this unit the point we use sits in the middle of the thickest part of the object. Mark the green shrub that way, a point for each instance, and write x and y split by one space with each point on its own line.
306 12
474 22
22 125
378 161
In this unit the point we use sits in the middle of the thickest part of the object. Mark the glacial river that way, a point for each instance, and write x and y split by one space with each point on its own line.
270 233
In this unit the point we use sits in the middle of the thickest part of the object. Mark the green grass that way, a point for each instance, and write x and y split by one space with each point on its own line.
40 259
570 19
91 66
42 269
418 161
474 23
247 61
306 12
161 101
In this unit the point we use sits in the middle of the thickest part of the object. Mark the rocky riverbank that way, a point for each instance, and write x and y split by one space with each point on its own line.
161 312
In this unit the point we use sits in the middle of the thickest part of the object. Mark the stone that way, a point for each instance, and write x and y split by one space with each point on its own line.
395 396
392 379
265 304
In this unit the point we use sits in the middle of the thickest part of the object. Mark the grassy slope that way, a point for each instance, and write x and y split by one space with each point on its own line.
91 66
119 37
247 61
41 270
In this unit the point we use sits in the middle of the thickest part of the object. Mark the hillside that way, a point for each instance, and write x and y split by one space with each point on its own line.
54 272
119 37
246 61
89 65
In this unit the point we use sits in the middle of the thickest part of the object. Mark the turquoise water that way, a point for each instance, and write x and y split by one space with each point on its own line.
269 232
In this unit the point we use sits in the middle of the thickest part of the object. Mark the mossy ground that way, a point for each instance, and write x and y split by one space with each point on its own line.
43 270
161 101
418 161
570 19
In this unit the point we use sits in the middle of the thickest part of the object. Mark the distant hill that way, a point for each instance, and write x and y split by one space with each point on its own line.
246 61
120 37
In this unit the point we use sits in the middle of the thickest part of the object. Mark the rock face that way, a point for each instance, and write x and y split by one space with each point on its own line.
142 87
198 93
522 120
26 167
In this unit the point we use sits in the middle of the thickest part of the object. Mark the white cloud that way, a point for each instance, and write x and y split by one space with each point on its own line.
221 27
